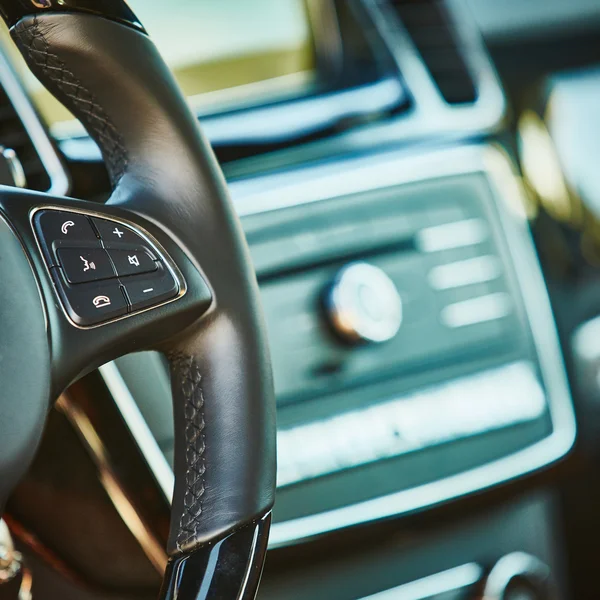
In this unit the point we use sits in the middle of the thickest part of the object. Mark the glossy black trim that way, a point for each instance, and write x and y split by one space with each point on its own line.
229 568
12 11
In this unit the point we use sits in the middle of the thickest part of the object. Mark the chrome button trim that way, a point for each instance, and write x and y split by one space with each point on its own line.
452 580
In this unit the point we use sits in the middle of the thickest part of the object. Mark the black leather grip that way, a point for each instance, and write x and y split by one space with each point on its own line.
113 79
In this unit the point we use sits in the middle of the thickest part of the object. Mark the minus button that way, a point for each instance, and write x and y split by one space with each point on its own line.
144 292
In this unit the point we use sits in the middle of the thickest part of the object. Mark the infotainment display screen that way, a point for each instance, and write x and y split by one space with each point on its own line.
221 50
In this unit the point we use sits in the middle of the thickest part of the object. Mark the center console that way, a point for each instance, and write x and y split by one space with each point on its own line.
414 350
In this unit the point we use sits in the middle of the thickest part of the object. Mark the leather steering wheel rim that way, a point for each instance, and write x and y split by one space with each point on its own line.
101 65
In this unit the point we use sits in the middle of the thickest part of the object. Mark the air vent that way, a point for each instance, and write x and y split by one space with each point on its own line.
14 135
433 34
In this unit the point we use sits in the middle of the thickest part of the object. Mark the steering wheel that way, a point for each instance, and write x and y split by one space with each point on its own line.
162 265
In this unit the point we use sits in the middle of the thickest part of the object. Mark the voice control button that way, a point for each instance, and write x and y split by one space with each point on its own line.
85 264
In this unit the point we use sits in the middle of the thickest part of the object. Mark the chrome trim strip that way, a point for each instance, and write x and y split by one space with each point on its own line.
161 469
465 272
59 180
15 167
477 310
586 341
270 123
327 37
452 580
458 234
429 416
513 566
343 178
150 545
394 168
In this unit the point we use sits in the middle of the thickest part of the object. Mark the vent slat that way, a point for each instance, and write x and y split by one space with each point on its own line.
428 24
14 135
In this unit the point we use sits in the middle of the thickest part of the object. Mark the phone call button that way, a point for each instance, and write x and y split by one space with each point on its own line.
93 303
57 226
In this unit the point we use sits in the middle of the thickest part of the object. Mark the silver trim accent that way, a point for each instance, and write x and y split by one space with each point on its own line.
511 566
431 113
452 580
480 269
149 239
437 414
395 168
11 561
151 546
264 123
15 167
327 37
363 304
350 176
586 341
163 473
59 180
458 234
477 310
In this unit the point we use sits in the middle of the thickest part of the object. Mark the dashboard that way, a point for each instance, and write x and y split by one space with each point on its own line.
427 259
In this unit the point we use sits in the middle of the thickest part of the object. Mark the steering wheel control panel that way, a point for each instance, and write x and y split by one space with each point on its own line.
102 268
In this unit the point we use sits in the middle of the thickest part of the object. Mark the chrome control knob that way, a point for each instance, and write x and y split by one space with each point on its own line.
518 576
363 304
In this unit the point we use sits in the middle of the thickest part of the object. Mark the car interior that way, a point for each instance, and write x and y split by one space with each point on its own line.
299 299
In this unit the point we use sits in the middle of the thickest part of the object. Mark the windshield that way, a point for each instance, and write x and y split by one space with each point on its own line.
219 50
